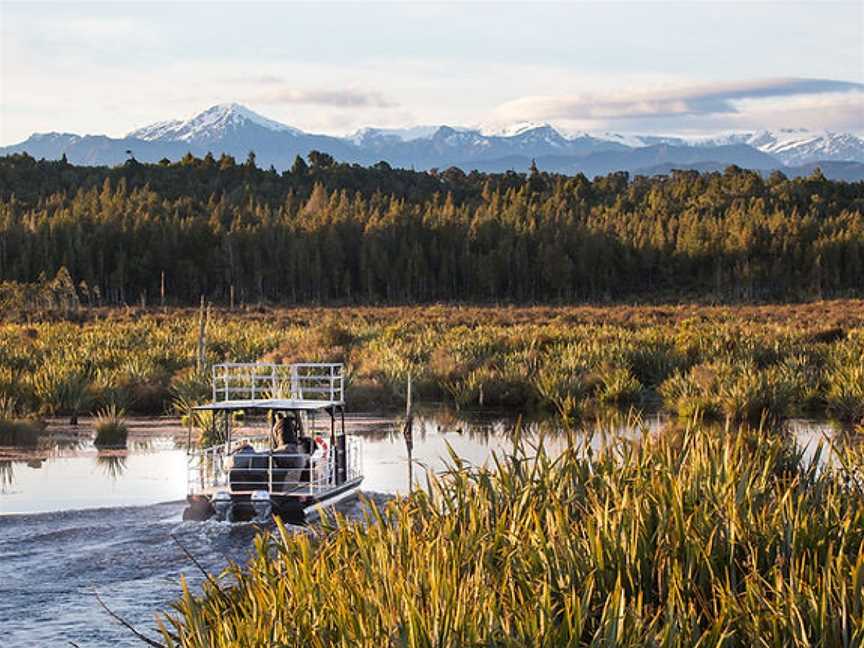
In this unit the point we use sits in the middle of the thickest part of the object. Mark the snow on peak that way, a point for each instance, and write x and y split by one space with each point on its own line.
407 134
791 146
798 145
514 130
212 124
635 140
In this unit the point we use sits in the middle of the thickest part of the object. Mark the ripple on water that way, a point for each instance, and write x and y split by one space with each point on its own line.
51 563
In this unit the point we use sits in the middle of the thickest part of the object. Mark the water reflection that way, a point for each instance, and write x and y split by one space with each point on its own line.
473 437
64 470
7 476
62 455
112 463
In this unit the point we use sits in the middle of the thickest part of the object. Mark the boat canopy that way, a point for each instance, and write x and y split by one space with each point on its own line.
268 404
265 386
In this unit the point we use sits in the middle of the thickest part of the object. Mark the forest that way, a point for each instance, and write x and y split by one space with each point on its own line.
328 232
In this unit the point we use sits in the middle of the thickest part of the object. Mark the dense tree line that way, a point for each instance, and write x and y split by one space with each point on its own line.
325 231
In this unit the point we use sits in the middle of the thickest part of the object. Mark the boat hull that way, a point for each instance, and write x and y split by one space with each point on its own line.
292 509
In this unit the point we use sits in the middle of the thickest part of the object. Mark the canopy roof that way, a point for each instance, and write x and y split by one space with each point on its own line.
269 404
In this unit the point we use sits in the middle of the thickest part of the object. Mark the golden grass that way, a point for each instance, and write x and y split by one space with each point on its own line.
689 539
731 361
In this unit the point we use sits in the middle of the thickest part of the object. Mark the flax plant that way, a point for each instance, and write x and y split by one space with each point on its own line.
559 361
690 538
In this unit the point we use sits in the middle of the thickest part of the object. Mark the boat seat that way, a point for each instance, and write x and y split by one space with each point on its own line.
249 469
290 466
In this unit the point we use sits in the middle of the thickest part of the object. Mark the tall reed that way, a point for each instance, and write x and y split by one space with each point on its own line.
692 538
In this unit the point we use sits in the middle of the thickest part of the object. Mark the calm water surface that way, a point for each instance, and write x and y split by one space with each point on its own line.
74 521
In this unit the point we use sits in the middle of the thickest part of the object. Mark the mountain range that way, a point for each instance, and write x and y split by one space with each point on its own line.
235 130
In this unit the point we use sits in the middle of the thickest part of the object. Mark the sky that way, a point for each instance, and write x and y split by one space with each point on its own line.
690 68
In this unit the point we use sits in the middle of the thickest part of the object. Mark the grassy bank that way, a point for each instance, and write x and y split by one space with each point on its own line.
690 539
724 362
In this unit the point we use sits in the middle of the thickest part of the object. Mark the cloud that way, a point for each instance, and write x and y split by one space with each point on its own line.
278 91
700 100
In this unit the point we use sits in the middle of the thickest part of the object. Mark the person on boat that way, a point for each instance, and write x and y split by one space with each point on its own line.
277 432
287 430
246 468
290 453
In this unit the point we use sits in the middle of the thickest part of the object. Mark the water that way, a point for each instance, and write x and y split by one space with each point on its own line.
52 563
74 521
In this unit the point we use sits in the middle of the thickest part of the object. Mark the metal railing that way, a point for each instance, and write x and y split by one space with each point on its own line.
354 463
262 381
226 467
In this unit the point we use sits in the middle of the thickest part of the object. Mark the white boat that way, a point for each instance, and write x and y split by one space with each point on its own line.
282 460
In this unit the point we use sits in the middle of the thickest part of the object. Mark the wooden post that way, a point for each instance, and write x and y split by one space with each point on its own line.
408 399
203 316
162 290
408 434
189 430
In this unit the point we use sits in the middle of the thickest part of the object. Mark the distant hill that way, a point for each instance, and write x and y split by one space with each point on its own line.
235 130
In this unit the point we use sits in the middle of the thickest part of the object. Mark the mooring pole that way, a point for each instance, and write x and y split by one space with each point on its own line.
408 433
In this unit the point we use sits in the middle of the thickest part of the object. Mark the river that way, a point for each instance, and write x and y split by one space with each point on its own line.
75 521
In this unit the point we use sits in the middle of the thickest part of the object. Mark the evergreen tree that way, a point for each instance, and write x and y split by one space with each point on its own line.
299 168
344 232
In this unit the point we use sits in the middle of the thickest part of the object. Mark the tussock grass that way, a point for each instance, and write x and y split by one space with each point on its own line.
736 363
20 432
692 538
111 429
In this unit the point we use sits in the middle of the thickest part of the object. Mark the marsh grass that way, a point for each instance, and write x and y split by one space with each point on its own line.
111 429
735 363
63 389
20 432
691 538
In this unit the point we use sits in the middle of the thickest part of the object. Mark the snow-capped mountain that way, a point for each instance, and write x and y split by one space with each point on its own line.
212 125
235 130
402 134
794 146
544 135
511 130
635 140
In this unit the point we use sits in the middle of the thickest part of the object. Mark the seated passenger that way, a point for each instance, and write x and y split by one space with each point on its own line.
241 456
290 456
286 429
248 469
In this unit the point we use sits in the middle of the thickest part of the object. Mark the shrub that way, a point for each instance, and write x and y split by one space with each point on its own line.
62 389
689 394
111 430
737 390
564 389
618 386
20 432
845 393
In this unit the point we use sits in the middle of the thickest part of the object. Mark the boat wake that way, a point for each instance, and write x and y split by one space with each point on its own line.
51 564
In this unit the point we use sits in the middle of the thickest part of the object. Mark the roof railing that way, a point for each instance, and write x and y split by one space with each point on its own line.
263 381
